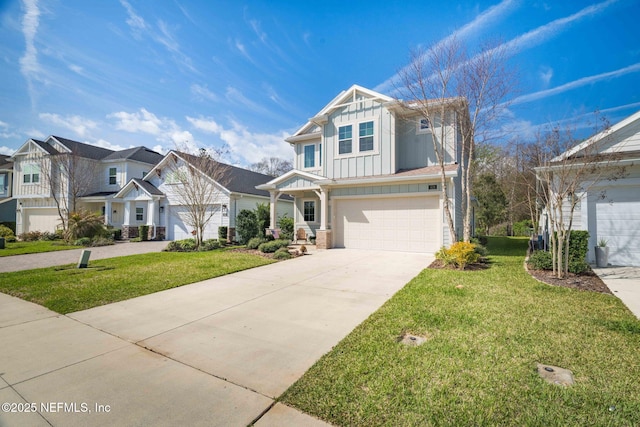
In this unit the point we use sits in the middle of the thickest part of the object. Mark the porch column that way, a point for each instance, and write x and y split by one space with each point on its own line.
127 213
324 208
272 205
107 212
152 208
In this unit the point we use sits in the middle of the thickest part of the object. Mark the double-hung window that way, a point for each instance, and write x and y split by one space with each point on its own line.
309 156
309 211
423 125
31 174
113 176
366 136
139 214
345 135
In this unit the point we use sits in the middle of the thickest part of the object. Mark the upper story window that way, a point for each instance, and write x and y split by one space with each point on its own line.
113 176
344 139
31 174
309 156
366 136
423 125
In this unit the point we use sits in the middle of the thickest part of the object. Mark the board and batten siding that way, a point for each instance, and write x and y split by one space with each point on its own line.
379 162
415 149
296 183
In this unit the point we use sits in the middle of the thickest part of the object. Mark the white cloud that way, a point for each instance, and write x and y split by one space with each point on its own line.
77 124
135 21
29 66
34 133
7 151
106 144
76 69
203 92
243 144
545 73
575 84
142 121
4 125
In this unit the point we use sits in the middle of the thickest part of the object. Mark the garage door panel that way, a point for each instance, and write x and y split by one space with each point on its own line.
618 222
398 224
41 220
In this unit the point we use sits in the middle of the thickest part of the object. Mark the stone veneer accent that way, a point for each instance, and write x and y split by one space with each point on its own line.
131 232
323 239
231 234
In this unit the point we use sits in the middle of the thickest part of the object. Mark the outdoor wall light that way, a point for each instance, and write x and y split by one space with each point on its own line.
115 211
161 209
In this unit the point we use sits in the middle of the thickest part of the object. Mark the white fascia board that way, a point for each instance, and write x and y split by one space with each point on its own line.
383 180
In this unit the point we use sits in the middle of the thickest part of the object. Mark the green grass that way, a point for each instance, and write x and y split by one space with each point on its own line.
68 289
478 364
20 248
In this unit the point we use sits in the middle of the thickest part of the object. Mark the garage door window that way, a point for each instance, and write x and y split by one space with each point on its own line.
310 211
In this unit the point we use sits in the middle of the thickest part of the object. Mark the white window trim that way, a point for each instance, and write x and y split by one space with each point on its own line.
142 213
419 129
315 150
315 211
31 167
109 176
355 138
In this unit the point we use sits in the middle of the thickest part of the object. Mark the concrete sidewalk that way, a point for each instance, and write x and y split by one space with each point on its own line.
213 353
624 282
51 259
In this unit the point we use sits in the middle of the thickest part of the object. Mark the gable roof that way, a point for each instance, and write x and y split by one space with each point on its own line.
343 98
5 164
611 133
81 149
146 186
141 154
236 179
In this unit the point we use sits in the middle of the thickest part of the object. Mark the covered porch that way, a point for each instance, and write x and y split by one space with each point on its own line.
311 204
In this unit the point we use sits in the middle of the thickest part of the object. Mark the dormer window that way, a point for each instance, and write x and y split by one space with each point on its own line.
344 139
113 176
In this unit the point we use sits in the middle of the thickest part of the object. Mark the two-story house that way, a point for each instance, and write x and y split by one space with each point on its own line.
366 175
58 175
129 188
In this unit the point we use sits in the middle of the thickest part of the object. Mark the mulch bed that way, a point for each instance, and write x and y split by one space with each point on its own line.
587 281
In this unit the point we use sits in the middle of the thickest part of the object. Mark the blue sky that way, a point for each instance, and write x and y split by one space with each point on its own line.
248 74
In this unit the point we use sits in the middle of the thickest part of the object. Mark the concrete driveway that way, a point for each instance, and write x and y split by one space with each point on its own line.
624 282
51 259
213 353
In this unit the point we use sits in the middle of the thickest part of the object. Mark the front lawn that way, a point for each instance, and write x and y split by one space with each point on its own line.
20 248
68 289
485 331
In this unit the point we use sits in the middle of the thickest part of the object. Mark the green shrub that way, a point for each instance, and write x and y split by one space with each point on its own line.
263 216
84 224
255 242
541 260
272 246
7 233
116 234
101 241
222 233
286 225
282 253
11 225
209 245
143 232
82 241
483 240
136 239
49 236
247 225
186 245
578 248
479 247
30 236
522 228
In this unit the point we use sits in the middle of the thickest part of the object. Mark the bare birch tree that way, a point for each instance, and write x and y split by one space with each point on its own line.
272 166
568 172
199 180
448 87
69 177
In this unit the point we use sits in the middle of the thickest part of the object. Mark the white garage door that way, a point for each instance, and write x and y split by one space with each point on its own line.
618 221
408 224
41 220
178 228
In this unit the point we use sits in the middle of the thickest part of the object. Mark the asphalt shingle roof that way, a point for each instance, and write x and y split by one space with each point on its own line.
84 150
141 154
148 187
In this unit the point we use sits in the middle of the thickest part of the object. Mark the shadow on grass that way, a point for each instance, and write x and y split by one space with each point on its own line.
507 246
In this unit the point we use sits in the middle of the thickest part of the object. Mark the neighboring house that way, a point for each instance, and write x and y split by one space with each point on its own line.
166 212
366 176
99 174
611 209
7 202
